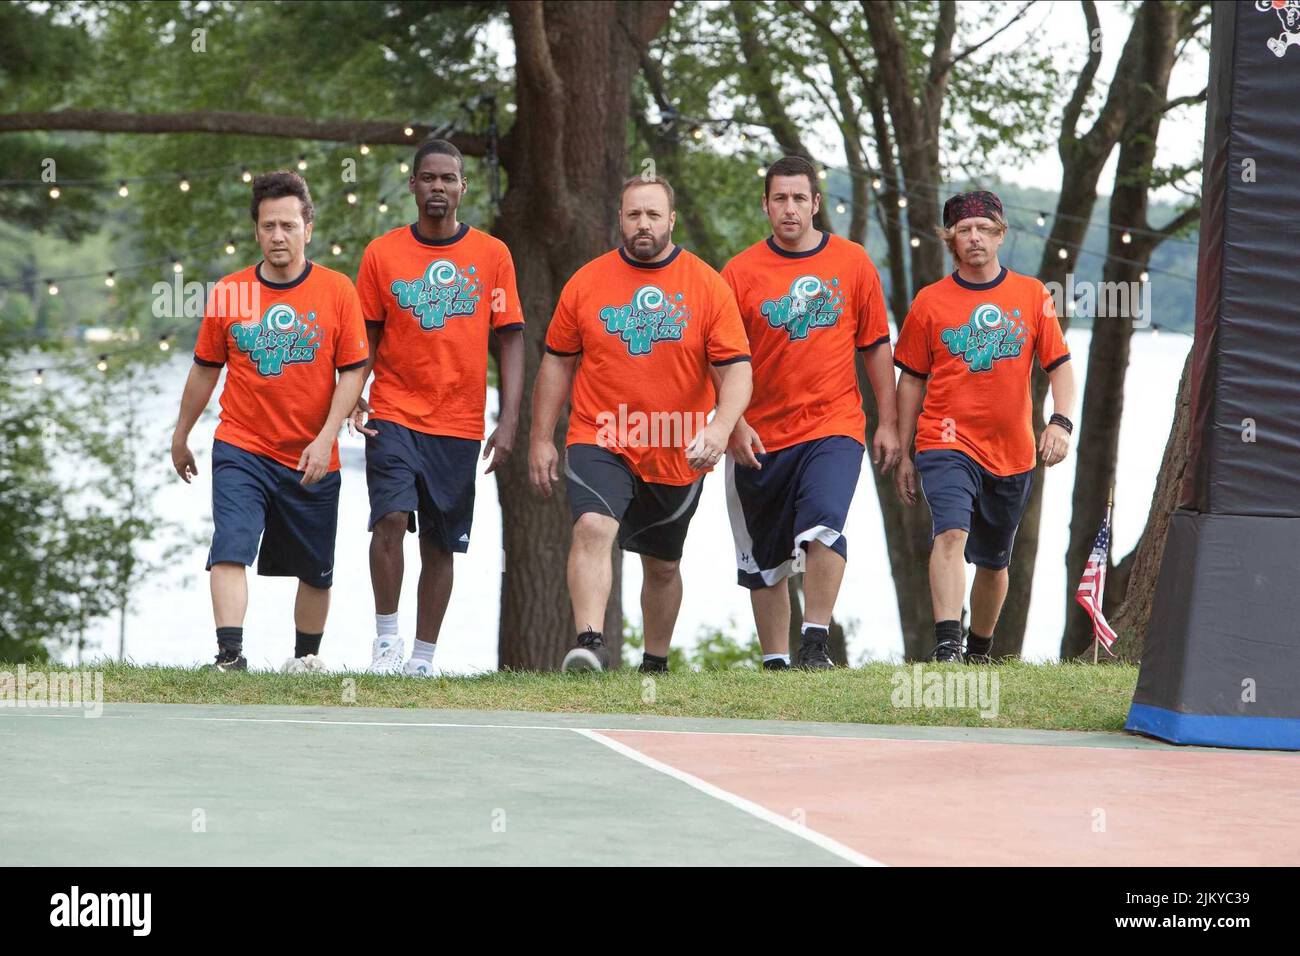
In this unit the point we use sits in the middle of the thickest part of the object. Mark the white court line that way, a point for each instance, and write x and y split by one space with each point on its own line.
740 803
619 730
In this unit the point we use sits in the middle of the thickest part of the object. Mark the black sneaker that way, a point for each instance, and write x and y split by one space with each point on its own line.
590 654
775 664
812 651
652 667
978 658
227 662
947 652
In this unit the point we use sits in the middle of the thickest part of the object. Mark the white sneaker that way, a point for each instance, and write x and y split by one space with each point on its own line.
387 660
416 668
303 665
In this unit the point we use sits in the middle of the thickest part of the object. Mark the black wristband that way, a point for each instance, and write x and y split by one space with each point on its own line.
1059 419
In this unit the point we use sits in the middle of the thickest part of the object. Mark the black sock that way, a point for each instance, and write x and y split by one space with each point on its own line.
654 659
947 631
230 640
305 643
976 644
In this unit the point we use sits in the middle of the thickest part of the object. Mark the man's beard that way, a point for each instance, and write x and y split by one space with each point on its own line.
656 246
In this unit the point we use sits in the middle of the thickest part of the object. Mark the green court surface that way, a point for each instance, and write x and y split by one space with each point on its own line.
223 785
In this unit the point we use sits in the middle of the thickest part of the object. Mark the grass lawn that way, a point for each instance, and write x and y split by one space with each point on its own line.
1065 696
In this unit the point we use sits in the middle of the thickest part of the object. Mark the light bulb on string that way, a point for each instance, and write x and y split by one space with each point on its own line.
916 242
163 343
365 150
352 199
336 249
185 185
1145 276
839 208
1042 219
176 266
762 170
902 202
230 247
302 162
821 174
39 377
51 287
1062 254
876 184
102 364
404 167
122 190
245 175
697 133
54 192
110 280
1126 238
383 206
409 131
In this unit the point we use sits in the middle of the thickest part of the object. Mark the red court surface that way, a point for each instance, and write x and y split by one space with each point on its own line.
928 802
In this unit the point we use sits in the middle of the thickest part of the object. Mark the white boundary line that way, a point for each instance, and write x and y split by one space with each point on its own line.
612 730
740 803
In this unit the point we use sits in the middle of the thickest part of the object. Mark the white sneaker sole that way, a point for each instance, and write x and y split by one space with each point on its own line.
581 659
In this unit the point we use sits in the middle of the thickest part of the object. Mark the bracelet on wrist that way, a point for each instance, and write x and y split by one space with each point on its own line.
1059 419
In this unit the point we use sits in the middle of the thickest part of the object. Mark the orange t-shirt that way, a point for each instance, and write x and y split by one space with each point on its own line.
975 344
647 333
281 343
435 301
804 313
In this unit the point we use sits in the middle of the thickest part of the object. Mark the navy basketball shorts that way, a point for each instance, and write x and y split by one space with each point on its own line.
431 476
802 493
255 497
963 494
652 518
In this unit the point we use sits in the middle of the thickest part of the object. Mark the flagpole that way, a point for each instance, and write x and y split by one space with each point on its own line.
1110 504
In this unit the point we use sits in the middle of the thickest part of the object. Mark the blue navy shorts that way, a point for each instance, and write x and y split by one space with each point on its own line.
964 494
652 517
427 475
802 493
255 497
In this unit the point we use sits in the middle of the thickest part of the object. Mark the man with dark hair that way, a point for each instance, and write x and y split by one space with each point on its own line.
431 291
283 328
647 339
808 300
966 352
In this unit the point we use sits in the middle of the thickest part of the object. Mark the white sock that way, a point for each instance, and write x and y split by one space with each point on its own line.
421 651
386 629
808 624
776 657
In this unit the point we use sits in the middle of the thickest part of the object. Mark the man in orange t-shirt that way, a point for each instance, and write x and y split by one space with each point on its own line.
431 291
282 328
649 339
808 300
967 347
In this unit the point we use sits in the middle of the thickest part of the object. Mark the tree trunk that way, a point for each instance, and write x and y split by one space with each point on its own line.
566 159
1130 621
1108 355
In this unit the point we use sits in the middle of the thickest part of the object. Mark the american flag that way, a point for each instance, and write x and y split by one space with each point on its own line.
1093 585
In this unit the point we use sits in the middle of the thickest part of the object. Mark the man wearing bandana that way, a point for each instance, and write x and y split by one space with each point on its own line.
966 351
